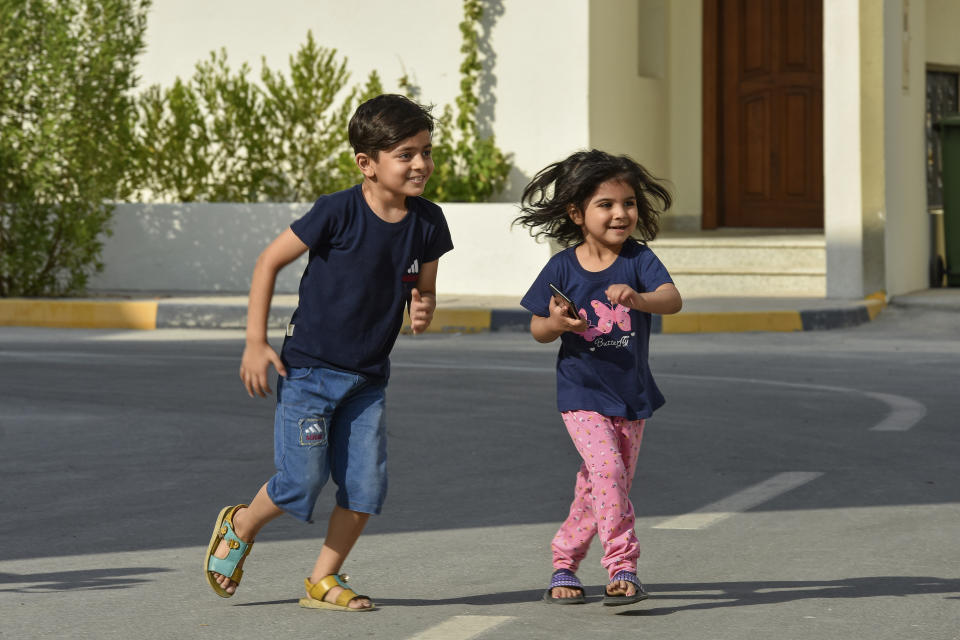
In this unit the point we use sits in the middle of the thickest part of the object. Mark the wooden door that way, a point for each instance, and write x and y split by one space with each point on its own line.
770 113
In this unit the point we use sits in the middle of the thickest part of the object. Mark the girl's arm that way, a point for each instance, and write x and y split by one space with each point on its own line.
423 298
258 354
550 328
665 300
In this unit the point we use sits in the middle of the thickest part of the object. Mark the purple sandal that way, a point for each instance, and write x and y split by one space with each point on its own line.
564 578
615 601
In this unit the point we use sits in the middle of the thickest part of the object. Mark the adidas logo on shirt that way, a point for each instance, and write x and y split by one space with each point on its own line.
413 272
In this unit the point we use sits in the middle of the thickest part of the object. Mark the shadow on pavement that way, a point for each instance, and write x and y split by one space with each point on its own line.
91 579
745 594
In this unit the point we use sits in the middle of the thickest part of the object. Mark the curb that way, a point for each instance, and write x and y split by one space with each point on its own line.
148 315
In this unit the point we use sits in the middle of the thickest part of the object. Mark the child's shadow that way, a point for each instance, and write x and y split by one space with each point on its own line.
485 599
744 594
711 595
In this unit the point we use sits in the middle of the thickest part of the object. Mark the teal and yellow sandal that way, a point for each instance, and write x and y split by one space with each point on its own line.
223 530
317 592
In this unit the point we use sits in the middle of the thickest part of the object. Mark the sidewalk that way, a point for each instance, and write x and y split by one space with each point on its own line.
458 313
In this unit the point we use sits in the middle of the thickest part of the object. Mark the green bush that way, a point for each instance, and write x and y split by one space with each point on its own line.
219 137
67 69
469 167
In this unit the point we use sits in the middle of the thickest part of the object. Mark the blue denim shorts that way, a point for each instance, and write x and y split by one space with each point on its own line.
329 423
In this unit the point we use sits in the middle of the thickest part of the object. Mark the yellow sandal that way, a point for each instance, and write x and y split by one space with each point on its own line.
317 592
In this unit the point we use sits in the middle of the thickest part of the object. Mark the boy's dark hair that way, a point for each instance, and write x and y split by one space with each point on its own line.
546 201
382 122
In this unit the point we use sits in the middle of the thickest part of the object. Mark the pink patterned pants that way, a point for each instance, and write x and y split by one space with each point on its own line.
601 503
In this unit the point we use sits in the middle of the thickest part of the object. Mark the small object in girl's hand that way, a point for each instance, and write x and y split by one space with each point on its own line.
571 307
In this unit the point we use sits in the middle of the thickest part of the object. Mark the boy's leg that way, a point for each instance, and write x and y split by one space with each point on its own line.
358 466
247 523
342 532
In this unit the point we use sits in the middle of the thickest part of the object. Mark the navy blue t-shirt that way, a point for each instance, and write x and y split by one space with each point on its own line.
358 279
604 369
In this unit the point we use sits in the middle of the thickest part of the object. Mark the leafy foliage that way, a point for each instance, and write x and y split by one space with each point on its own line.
469 167
221 137
66 71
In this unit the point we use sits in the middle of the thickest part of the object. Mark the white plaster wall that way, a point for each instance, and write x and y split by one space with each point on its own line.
685 111
535 90
209 247
907 234
843 203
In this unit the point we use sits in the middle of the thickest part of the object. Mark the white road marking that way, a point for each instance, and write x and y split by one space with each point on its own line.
461 628
904 412
740 501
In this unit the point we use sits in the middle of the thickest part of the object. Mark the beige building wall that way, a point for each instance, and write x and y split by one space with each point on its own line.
627 89
645 93
942 24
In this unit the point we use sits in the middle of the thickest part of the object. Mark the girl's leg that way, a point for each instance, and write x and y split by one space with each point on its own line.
609 447
572 541
622 550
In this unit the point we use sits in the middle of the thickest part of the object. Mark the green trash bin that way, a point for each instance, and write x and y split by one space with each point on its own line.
949 129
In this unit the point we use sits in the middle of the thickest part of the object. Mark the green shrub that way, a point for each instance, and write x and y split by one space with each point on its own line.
219 137
67 69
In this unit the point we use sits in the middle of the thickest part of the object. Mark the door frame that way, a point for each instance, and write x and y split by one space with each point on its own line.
712 195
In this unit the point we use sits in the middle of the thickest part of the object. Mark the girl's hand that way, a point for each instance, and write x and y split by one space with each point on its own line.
666 299
561 318
622 294
254 365
421 310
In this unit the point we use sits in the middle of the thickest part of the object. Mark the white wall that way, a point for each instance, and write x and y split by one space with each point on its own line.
907 234
202 248
843 200
535 89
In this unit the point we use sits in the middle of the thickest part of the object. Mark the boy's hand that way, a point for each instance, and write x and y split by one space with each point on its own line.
561 318
254 366
622 294
421 310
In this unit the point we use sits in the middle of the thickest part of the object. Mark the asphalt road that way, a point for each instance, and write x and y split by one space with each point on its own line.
795 486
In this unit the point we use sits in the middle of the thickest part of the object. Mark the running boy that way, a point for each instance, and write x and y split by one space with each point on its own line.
374 248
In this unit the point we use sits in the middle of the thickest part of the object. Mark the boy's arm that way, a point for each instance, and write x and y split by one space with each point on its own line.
548 329
664 300
423 298
258 354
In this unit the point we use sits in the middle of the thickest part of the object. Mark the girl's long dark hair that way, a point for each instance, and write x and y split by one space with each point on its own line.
546 201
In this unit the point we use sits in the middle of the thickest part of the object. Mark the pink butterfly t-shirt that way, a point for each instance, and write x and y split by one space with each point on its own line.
604 369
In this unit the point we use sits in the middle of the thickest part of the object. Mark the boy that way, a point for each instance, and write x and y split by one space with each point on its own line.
373 249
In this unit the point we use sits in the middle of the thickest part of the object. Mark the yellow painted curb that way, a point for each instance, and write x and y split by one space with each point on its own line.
77 314
732 322
876 302
454 321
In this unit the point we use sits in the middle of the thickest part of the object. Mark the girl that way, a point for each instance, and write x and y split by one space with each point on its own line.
593 203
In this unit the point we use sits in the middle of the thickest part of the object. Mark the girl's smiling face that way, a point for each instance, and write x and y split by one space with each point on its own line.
609 216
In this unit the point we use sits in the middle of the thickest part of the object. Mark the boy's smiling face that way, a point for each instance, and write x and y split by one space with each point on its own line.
401 170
